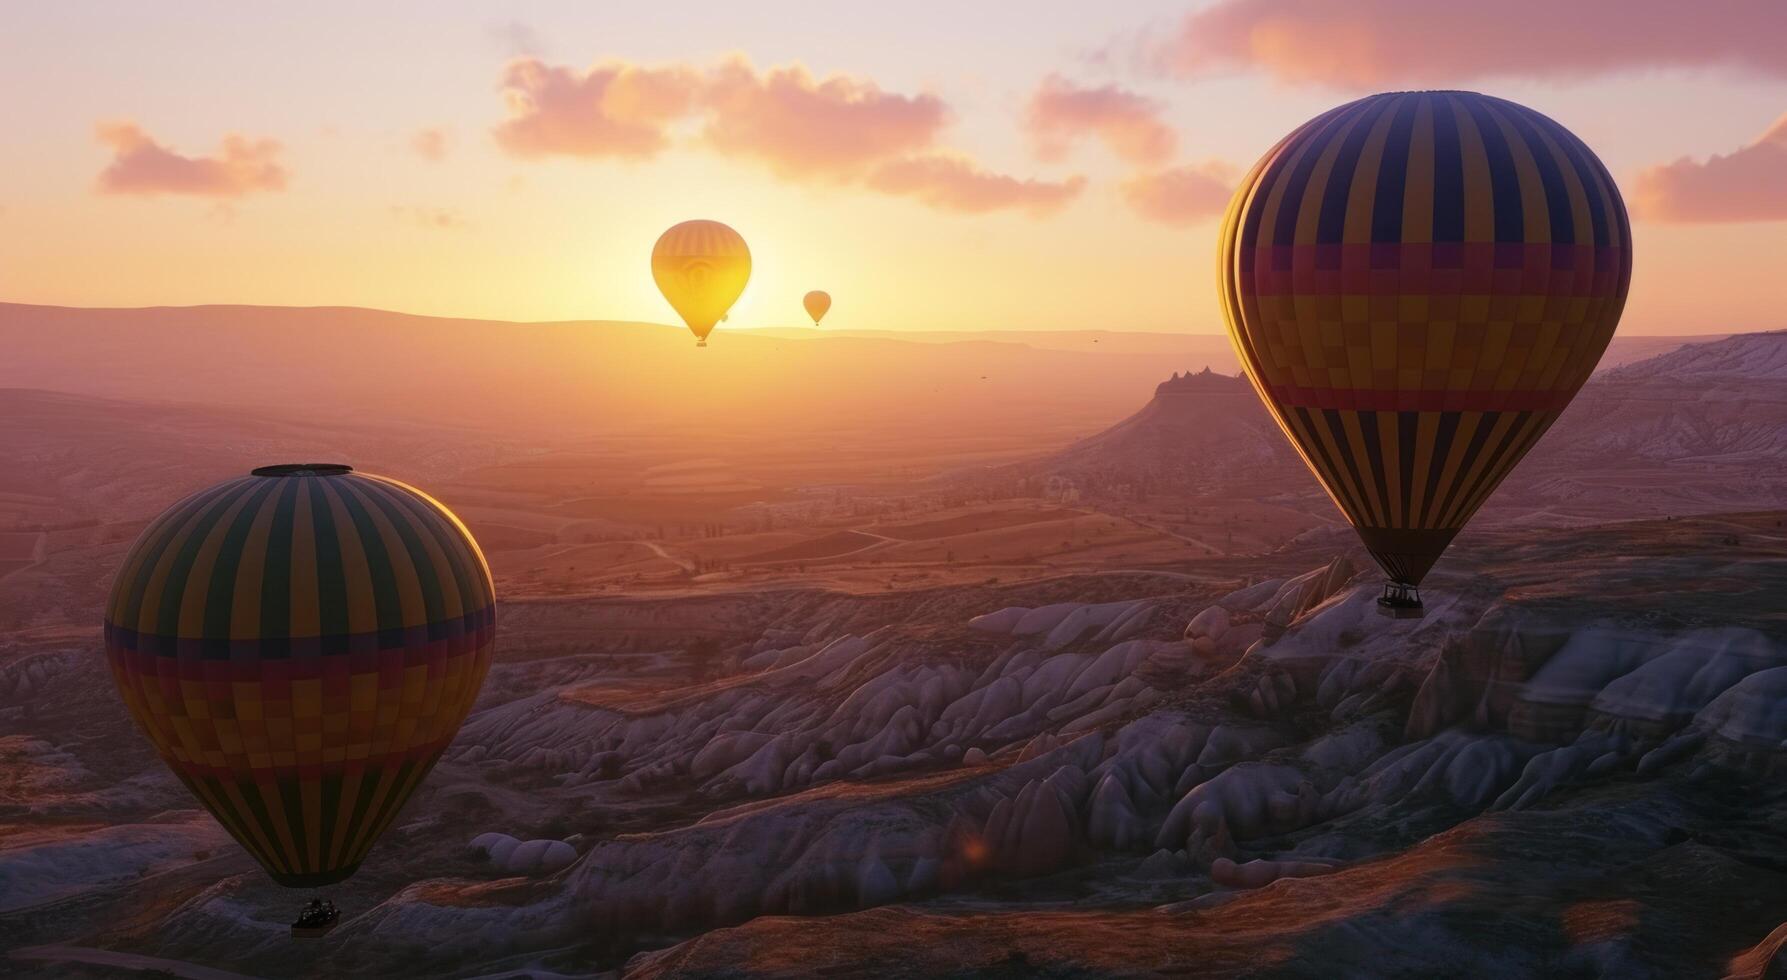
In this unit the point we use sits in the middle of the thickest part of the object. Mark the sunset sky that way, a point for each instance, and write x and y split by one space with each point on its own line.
933 165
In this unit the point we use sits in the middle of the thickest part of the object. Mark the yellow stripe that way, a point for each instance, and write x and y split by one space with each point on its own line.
148 614
1309 211
1461 440
1520 441
458 552
198 580
1362 193
403 568
362 611
146 549
268 790
360 837
1479 190
272 857
1427 426
1305 442
311 793
1355 505
306 602
226 815
403 792
1532 185
245 605
1417 188
1498 434
344 815
1389 442
1356 448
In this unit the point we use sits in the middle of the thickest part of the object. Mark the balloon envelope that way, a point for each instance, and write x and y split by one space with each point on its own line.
701 267
1417 284
817 302
300 645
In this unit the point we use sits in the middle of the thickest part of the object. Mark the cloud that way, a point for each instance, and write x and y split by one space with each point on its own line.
142 166
1183 195
954 183
1749 184
837 130
1061 113
437 219
431 143
611 110
836 127
1380 43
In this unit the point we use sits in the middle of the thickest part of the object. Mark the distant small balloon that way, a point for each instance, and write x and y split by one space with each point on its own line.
701 267
817 303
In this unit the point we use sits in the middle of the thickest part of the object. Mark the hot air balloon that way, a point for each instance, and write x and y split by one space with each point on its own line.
817 302
701 267
300 645
1417 283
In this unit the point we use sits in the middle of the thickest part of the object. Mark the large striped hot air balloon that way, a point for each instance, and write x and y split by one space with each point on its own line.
1418 283
701 267
300 645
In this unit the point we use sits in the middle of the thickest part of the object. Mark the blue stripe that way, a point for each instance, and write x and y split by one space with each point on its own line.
1285 232
1392 174
1331 226
1504 179
1586 175
1557 193
1448 172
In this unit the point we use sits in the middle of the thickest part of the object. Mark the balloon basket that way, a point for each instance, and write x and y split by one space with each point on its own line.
317 920
1400 601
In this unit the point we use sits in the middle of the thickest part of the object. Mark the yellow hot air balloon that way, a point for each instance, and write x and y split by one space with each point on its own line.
701 267
817 302
1418 283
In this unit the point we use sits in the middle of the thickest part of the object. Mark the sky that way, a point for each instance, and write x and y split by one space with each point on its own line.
964 165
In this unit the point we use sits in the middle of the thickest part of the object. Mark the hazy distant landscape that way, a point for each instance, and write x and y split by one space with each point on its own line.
1054 624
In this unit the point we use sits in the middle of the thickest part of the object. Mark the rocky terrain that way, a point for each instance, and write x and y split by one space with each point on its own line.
1116 704
1695 428
1572 765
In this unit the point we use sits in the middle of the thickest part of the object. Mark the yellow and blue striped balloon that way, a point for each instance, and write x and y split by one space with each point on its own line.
300 645
1418 283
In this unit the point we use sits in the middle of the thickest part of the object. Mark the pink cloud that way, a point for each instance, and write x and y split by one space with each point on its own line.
953 183
1749 184
612 110
800 126
1061 113
142 166
431 143
1379 43
1183 195
838 129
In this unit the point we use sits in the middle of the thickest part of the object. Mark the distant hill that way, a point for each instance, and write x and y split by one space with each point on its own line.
579 380
1202 430
1754 356
1694 429
1722 402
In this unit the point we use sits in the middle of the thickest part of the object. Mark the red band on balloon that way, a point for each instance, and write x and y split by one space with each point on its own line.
1372 400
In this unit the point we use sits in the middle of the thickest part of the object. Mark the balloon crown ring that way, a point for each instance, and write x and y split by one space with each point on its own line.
302 469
